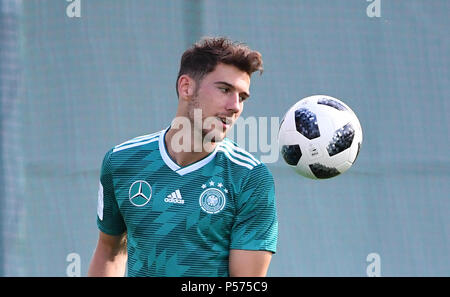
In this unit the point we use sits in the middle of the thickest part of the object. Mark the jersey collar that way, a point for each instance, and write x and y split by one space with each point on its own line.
177 168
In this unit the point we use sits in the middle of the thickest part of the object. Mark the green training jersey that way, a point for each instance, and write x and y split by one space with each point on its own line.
183 221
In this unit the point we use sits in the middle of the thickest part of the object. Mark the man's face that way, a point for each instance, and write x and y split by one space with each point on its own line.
220 96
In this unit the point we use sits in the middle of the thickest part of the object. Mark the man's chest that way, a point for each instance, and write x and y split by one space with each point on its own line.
162 199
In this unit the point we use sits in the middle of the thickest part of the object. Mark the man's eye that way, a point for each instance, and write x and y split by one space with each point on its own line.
224 90
243 98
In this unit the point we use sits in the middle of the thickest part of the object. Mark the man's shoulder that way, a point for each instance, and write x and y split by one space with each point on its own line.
128 152
136 143
248 171
132 146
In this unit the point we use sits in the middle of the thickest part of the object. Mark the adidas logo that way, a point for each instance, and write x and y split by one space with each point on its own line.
174 197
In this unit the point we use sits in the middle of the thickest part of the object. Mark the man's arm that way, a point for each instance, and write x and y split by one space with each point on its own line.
249 263
110 256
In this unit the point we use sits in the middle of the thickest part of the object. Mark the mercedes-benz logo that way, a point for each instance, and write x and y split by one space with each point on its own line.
140 193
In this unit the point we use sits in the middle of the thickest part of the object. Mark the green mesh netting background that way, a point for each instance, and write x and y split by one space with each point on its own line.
71 88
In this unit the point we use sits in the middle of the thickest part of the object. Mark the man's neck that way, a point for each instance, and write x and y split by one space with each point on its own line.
185 154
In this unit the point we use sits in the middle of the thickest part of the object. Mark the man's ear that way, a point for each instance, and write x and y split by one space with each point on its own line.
186 87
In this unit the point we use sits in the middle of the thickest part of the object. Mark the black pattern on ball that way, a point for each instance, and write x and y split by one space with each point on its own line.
291 154
331 103
321 171
342 140
357 152
306 123
281 123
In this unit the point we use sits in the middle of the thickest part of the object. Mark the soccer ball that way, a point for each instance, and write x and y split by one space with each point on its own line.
320 137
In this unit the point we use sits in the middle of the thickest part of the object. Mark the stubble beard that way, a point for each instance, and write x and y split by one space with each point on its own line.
212 135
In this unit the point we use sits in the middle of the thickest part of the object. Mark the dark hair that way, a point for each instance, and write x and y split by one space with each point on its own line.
203 57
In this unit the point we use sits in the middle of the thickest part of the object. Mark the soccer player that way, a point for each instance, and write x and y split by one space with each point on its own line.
187 201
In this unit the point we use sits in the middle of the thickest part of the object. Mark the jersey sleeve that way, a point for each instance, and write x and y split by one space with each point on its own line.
256 222
109 218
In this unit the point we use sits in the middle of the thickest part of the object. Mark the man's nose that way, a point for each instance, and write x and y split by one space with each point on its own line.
234 103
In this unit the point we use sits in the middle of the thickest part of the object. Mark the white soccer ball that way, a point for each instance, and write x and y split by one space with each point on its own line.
320 137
